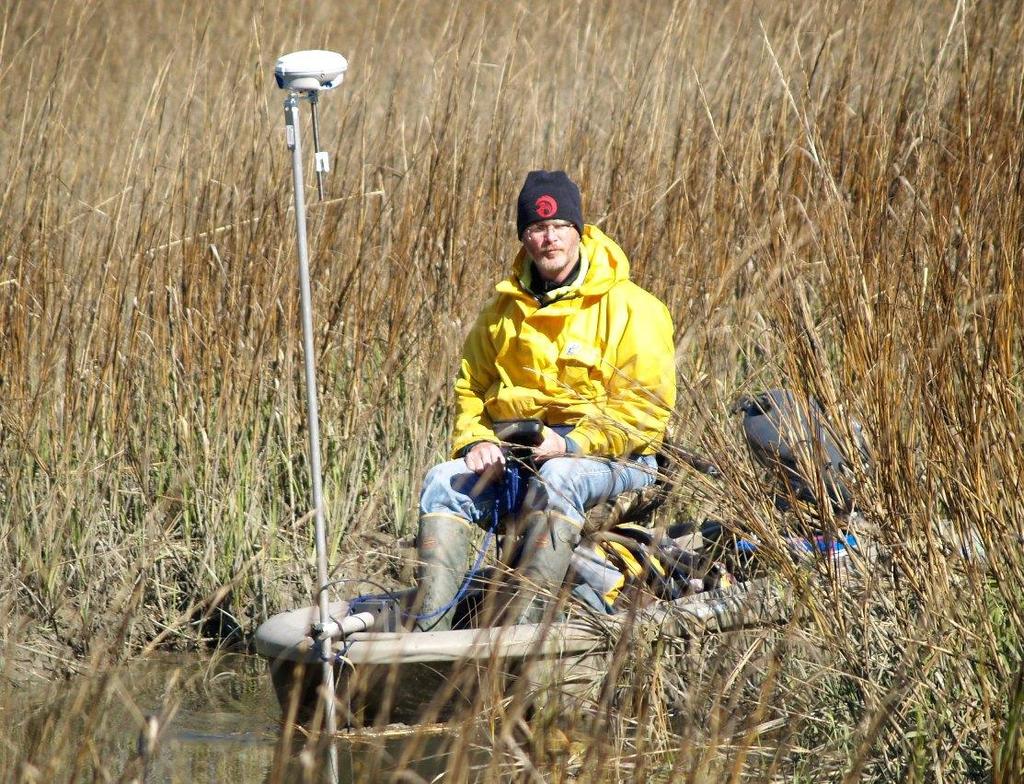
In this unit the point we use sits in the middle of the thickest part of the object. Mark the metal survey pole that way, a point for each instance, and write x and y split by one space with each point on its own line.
291 114
304 74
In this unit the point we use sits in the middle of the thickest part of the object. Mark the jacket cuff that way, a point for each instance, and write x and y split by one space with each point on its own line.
572 446
465 450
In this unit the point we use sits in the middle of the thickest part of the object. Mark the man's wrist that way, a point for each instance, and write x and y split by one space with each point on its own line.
469 447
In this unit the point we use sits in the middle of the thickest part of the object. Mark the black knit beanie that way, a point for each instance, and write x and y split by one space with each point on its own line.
548 196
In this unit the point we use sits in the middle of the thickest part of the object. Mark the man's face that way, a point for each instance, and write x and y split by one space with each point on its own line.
554 247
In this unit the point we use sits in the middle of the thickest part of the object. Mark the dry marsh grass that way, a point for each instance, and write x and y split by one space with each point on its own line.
828 197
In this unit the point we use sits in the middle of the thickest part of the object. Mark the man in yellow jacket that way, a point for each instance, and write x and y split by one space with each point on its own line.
567 339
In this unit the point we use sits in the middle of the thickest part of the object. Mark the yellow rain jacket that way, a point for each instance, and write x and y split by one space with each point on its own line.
599 358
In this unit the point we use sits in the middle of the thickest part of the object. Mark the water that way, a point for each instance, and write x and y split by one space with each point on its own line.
218 719
225 723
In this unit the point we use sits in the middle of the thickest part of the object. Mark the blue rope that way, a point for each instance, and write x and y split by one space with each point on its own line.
339 657
465 583
510 497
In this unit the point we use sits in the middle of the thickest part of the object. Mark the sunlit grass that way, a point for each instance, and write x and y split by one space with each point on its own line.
827 197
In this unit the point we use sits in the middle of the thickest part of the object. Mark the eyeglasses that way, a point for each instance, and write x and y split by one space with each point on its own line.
536 230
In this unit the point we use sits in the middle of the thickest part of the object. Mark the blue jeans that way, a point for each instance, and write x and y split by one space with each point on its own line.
568 485
563 488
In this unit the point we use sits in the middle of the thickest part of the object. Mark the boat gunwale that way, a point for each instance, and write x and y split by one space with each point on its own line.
694 614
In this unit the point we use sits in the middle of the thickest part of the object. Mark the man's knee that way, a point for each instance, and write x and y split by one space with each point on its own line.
557 487
451 487
437 493
439 474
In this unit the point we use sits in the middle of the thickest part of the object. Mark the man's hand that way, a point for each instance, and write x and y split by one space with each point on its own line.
485 458
553 445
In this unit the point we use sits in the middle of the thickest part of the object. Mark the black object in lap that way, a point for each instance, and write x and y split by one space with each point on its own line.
522 432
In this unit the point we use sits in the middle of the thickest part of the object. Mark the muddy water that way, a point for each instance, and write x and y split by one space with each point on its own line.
218 722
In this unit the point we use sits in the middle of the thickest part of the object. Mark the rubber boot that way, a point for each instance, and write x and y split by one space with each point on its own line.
544 559
443 548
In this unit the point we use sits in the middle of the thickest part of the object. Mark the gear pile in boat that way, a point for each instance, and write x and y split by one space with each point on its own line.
789 437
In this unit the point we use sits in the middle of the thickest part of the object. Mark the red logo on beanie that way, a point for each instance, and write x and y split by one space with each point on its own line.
546 206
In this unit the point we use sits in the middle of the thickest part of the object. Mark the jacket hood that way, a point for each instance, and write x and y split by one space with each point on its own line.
604 265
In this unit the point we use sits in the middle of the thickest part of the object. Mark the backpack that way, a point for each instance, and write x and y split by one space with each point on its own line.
793 440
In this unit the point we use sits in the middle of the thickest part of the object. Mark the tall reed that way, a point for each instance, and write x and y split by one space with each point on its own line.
827 197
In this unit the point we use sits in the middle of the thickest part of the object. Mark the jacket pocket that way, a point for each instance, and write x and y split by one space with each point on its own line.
579 369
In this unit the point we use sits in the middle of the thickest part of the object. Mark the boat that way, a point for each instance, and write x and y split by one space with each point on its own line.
390 675
387 673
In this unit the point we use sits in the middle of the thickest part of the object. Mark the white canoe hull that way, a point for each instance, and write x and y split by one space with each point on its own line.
413 677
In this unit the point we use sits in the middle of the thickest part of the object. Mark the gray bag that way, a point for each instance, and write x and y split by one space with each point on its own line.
791 437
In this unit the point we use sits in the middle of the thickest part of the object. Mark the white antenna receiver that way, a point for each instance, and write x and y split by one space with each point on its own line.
311 70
